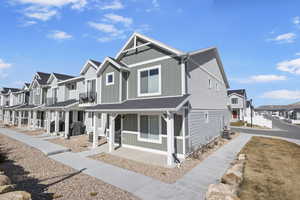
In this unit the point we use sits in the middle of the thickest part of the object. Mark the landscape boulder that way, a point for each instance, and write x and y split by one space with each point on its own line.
242 156
234 175
221 192
6 188
16 195
4 180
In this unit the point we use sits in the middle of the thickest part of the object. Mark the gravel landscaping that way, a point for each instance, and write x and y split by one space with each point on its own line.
168 175
47 179
76 143
29 132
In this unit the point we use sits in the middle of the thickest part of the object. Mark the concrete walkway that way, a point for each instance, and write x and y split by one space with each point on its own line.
44 146
192 186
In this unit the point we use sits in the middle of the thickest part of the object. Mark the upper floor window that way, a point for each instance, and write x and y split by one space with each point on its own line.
234 101
209 83
72 86
110 78
149 81
91 86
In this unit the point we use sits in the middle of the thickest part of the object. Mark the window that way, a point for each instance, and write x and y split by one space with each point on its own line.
234 101
149 81
209 83
110 78
150 127
72 86
91 86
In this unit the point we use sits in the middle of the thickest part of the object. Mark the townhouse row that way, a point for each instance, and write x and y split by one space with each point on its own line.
149 97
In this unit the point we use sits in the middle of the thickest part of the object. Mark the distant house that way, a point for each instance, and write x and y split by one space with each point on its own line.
238 103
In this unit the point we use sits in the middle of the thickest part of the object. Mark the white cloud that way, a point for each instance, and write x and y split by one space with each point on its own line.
115 5
285 38
291 66
59 35
113 18
297 54
44 10
75 4
296 20
29 23
155 4
106 28
282 94
40 13
4 65
263 78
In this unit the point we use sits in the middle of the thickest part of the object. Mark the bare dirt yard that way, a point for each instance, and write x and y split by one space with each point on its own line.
76 143
47 179
272 170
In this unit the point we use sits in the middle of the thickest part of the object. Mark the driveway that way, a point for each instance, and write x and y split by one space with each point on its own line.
281 129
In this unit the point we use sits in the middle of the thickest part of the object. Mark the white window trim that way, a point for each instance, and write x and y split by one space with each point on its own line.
106 78
159 141
139 81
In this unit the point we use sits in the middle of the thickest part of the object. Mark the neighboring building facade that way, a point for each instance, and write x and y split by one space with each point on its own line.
238 103
150 97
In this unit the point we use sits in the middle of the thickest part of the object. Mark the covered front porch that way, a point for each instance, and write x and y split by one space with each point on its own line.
159 128
65 119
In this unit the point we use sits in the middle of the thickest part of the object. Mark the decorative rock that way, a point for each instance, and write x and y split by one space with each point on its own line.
6 188
242 156
221 192
17 195
4 180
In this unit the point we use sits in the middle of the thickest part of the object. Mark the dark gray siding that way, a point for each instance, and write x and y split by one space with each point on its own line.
170 78
177 126
110 93
143 54
200 131
130 122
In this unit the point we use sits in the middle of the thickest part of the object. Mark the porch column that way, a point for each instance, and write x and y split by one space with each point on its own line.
170 139
111 132
29 119
56 122
20 119
34 119
96 132
67 123
48 121
13 117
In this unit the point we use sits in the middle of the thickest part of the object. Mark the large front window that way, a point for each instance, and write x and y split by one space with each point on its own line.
149 127
149 81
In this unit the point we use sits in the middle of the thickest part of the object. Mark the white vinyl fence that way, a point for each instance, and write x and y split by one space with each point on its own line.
259 120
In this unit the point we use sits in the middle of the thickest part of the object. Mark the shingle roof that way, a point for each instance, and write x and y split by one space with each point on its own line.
122 65
25 107
97 63
239 91
272 107
44 78
27 84
62 77
6 90
164 103
62 104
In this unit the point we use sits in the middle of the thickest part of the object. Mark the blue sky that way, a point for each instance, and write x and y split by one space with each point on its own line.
258 40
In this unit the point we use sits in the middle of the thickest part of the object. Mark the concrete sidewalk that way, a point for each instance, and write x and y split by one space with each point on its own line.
192 186
46 147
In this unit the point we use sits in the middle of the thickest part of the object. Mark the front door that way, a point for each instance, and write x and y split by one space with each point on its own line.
118 135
